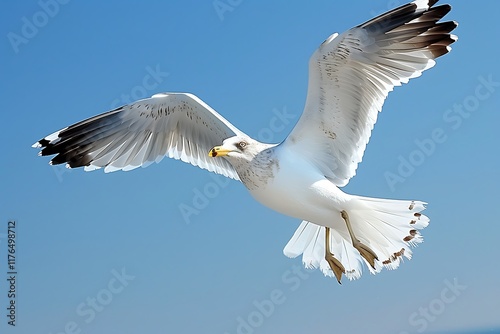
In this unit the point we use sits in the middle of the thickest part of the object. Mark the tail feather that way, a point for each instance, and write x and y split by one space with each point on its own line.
309 240
389 227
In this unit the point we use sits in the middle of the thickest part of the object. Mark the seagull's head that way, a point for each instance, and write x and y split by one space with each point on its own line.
238 148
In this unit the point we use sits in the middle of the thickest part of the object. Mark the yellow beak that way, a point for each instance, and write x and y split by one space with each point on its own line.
218 151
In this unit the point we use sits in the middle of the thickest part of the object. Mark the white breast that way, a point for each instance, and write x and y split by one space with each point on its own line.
298 188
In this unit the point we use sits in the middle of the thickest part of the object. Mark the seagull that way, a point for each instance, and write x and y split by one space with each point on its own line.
350 76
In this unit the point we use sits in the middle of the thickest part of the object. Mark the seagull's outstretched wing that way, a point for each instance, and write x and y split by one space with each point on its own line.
176 125
350 76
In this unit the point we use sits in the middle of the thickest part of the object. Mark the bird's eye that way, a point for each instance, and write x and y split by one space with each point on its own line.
241 145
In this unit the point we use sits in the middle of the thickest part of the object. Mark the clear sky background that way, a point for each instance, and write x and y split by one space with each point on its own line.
113 253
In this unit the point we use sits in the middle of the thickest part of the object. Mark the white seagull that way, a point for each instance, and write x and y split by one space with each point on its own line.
350 76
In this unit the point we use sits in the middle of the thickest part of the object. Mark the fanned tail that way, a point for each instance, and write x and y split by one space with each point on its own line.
388 227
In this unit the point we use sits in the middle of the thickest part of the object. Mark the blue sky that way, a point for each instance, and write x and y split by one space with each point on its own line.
112 253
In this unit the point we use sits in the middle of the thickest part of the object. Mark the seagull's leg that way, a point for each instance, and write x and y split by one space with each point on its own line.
364 250
337 267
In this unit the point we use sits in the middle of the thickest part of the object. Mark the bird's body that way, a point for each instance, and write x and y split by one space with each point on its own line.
310 197
286 182
350 75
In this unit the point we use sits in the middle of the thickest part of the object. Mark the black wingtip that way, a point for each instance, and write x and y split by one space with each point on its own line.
43 142
441 10
432 3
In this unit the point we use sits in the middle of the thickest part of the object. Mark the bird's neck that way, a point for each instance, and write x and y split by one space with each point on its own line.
256 172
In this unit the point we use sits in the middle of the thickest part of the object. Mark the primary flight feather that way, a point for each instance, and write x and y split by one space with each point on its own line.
350 75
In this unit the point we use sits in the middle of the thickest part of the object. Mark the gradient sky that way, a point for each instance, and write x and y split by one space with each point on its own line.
112 253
